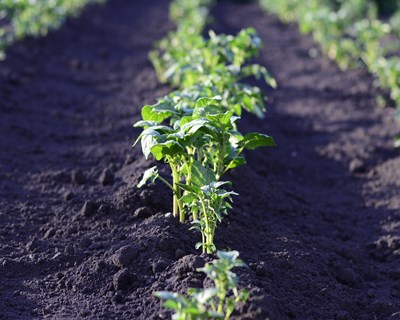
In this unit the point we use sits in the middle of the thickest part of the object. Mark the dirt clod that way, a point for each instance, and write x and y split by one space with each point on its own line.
77 177
88 209
123 256
106 178
122 279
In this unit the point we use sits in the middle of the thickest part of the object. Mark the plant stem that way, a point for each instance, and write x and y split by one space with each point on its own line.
208 241
176 196
221 155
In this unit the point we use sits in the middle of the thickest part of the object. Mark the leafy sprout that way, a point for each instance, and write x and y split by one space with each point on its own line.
217 302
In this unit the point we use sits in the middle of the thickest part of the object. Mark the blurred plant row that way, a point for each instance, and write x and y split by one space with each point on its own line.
354 34
22 18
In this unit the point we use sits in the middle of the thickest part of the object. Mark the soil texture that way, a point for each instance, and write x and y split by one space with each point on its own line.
317 219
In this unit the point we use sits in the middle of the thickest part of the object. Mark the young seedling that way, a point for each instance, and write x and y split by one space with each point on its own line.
217 302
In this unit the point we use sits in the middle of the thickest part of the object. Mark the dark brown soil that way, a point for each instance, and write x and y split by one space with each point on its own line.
317 220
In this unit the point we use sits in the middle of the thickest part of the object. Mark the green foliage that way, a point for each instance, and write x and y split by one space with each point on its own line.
350 33
193 129
217 302
34 18
213 66
200 144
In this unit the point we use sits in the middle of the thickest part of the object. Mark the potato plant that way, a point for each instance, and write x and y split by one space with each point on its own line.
217 302
350 33
217 63
194 129
23 18
200 145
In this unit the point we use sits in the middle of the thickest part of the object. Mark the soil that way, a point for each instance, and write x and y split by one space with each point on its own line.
317 219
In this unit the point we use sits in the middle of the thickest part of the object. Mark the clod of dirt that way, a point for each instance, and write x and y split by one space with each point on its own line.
357 166
348 277
343 315
68 195
159 266
123 256
85 243
261 306
106 177
33 244
395 274
77 177
262 270
49 233
384 308
189 263
122 279
118 298
143 213
69 250
179 253
88 209
103 209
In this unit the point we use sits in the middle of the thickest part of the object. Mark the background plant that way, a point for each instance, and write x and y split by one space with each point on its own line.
351 33
21 18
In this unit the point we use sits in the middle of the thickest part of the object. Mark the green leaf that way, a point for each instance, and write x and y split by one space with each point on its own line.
145 124
189 188
149 138
171 304
218 184
149 174
158 112
188 198
223 119
205 295
198 245
230 256
168 148
397 142
202 102
207 110
254 140
238 161
194 125
201 175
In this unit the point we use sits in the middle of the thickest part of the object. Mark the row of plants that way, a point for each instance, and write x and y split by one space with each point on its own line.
351 33
22 18
194 130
